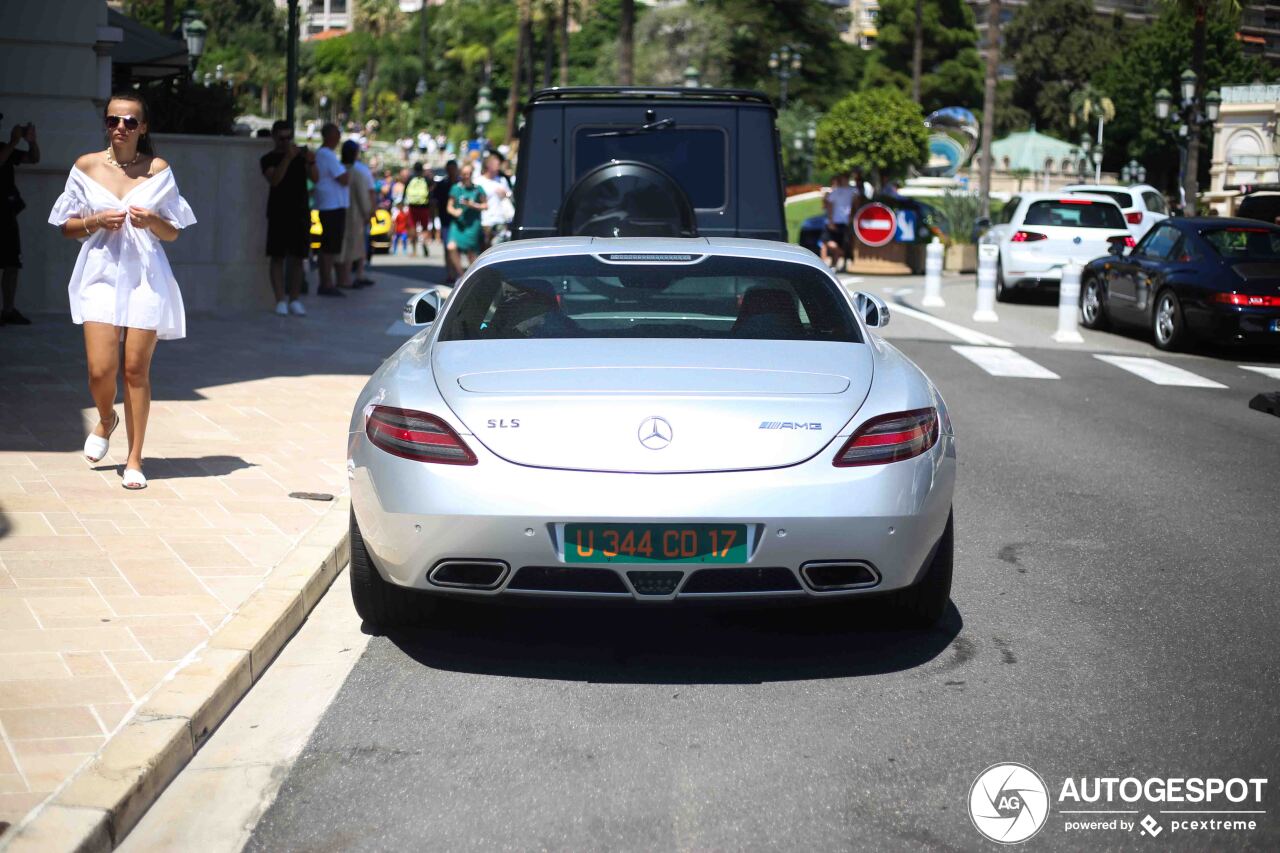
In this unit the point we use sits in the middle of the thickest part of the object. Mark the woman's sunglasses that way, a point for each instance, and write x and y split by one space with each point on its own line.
130 123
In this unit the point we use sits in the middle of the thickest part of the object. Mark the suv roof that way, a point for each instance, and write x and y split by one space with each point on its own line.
638 161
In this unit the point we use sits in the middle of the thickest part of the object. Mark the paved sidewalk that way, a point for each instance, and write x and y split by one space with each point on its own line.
103 591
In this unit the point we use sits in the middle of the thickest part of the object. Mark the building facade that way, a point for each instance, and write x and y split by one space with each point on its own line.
1246 152
863 24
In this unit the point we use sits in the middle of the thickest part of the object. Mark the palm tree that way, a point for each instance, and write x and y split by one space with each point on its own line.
564 42
524 17
989 103
626 42
1087 103
917 52
1199 11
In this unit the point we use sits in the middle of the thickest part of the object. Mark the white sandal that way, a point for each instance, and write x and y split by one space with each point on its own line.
96 446
133 480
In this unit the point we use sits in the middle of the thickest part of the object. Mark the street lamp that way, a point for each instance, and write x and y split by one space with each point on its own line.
1189 116
691 77
784 63
195 31
484 111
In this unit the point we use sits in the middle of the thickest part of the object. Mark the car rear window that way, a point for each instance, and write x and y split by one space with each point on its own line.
1124 199
1244 244
616 296
696 157
1074 213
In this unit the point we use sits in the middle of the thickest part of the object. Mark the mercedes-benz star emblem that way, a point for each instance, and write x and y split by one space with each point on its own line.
654 433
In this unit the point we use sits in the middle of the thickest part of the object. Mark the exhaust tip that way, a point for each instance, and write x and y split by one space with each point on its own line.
468 574
833 575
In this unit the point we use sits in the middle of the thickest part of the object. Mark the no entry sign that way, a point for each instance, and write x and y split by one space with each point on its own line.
874 224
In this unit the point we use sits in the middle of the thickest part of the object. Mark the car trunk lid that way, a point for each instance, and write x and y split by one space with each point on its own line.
653 406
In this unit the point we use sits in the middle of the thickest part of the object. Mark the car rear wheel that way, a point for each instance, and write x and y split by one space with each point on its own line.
922 604
1167 327
1004 293
380 604
1093 313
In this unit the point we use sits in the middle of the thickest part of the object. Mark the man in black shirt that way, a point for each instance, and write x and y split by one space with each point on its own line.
11 204
440 201
287 167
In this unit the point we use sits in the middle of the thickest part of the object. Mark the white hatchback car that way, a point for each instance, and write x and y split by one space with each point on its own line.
1039 233
1142 204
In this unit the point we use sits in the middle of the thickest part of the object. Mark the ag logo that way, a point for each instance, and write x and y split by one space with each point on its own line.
1008 803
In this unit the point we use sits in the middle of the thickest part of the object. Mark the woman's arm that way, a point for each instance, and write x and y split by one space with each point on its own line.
78 228
149 220
454 210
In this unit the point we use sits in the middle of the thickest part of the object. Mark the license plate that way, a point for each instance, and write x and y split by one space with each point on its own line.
655 543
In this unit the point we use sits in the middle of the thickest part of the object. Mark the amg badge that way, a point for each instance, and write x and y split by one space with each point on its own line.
789 425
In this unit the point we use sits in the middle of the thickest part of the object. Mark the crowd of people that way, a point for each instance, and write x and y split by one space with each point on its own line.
466 207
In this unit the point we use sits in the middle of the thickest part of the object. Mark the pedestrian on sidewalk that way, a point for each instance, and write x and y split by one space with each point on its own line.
359 209
497 189
466 203
287 168
331 201
417 194
122 203
11 204
839 207
440 190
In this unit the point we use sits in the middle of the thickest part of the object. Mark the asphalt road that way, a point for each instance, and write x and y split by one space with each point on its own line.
1116 578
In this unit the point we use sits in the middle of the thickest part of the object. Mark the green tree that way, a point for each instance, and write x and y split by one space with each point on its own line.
793 125
1057 46
880 132
950 65
1152 60
831 69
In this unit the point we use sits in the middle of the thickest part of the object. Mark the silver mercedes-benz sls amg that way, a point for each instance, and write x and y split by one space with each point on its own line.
655 420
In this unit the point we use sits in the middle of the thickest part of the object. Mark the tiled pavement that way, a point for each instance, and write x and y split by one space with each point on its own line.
103 591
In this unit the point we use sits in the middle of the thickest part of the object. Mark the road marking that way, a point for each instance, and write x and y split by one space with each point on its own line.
1159 372
1273 372
1005 362
969 336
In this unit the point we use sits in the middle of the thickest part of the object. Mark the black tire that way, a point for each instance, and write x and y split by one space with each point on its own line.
1168 332
1093 314
1004 293
380 604
922 604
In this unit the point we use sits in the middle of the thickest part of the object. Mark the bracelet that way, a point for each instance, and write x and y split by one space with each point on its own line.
84 223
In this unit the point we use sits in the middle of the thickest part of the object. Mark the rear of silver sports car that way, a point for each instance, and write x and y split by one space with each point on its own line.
779 464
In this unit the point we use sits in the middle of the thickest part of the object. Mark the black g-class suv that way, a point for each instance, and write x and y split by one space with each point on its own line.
634 162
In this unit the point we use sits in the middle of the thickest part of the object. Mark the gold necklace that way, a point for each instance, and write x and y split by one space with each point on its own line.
122 166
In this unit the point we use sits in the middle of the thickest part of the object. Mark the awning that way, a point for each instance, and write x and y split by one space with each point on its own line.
144 54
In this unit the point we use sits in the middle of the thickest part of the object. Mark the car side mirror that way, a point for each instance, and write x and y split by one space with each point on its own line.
874 310
422 308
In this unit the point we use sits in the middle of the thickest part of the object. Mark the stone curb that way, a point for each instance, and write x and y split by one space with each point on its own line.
106 798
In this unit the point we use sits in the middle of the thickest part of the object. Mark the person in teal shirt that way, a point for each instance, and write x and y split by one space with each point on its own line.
466 200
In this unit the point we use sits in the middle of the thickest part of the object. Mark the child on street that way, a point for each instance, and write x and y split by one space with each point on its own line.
403 222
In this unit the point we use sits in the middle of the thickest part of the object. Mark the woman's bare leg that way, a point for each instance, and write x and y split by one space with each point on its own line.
102 352
139 346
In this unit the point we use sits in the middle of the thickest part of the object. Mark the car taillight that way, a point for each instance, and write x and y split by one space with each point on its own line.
1128 241
1247 300
1133 217
417 436
1028 236
890 438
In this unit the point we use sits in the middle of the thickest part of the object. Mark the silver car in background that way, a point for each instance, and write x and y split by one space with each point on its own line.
654 420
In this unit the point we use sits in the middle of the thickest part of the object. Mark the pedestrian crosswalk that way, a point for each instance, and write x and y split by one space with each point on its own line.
1001 361
1008 363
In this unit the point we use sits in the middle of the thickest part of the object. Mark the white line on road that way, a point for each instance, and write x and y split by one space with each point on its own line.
1159 372
1005 362
969 336
1273 372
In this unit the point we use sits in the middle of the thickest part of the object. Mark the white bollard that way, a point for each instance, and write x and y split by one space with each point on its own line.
933 275
988 257
1068 302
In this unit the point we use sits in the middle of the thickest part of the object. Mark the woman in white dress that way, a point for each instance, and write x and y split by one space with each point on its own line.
121 203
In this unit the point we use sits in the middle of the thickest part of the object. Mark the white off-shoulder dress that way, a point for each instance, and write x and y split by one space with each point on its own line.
123 277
